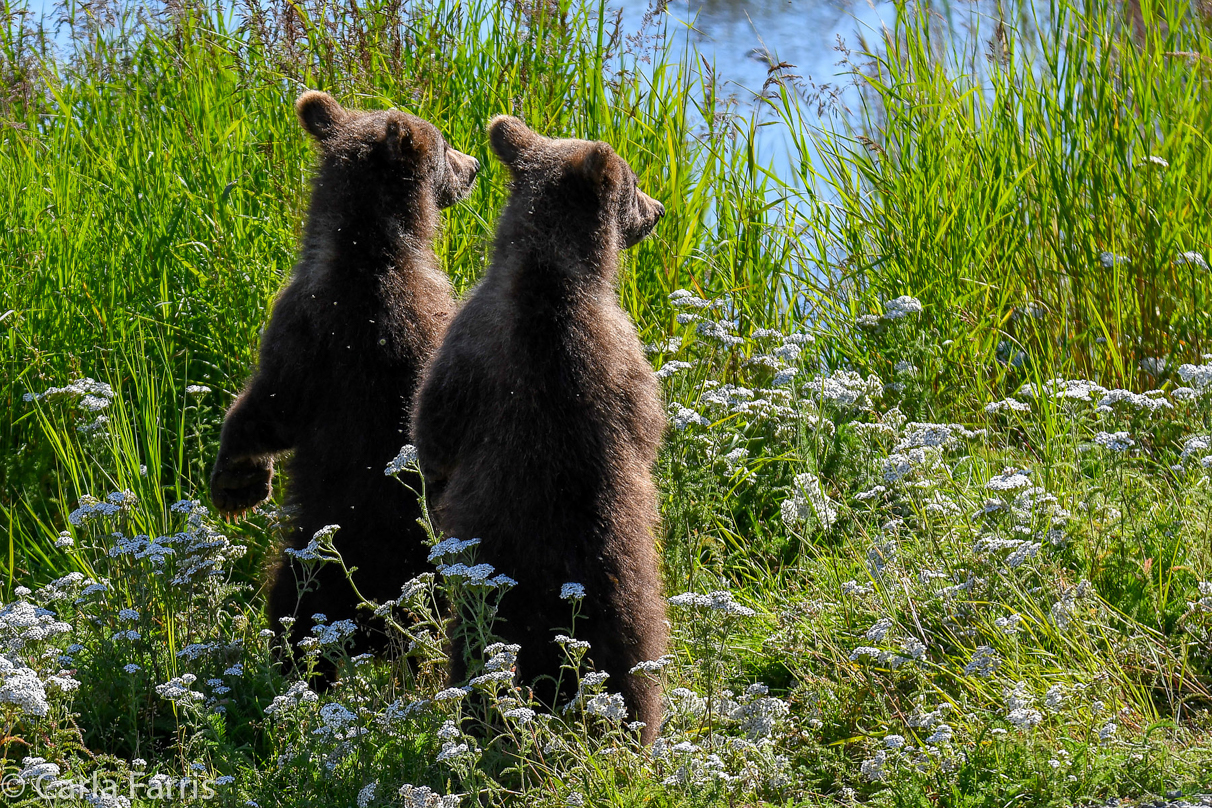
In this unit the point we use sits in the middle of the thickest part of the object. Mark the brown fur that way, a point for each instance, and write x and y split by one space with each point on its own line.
538 422
364 310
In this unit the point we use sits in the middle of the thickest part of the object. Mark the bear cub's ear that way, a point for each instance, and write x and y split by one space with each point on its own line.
401 134
319 113
510 138
596 162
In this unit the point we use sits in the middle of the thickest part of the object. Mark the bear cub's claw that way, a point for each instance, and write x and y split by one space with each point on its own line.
236 486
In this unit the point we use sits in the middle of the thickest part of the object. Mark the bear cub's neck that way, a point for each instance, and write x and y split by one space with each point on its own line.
561 264
367 234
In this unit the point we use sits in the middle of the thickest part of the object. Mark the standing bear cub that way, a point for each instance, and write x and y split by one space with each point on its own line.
364 311
539 420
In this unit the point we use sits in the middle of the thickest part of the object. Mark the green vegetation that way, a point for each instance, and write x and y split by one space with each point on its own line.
937 475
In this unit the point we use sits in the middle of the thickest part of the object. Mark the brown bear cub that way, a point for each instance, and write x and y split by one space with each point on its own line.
340 359
539 420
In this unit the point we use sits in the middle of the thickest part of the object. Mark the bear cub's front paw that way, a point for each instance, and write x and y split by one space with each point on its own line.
237 485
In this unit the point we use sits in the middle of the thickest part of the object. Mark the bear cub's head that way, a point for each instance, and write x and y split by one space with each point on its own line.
578 181
391 151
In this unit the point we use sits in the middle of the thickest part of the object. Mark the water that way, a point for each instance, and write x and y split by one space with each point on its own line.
743 37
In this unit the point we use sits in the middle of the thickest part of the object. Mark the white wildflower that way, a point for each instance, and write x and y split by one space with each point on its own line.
21 687
295 696
453 751
522 715
1025 551
177 690
719 332
808 500
846 389
1010 480
1024 718
670 345
450 693
477 574
1193 259
1114 441
736 458
983 663
495 677
652 665
1054 698
681 417
425 797
1151 401
1010 624
872 769
450 546
1198 376
406 458
607 705
672 367
880 630
902 306
913 648
570 643
685 299
784 377
718 601
1011 404
37 768
942 734
853 588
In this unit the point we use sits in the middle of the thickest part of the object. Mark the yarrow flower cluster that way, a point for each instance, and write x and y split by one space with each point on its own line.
681 417
476 575
451 546
425 797
406 459
1114 441
719 601
177 690
91 394
1010 480
846 390
672 367
92 508
808 501
901 307
985 660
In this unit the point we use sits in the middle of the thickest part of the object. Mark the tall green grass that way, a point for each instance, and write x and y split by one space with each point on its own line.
1015 187
155 185
156 180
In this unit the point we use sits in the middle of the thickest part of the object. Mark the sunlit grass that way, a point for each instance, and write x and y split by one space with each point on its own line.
154 185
